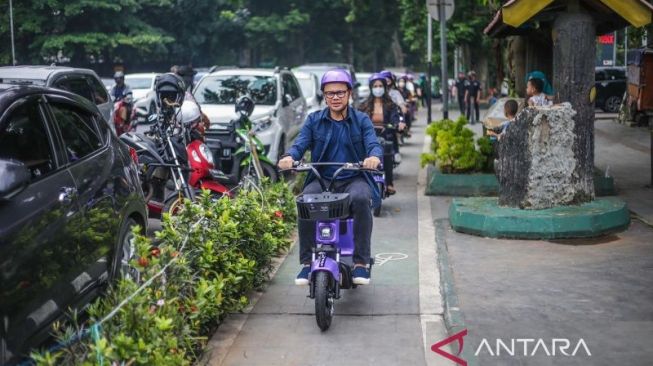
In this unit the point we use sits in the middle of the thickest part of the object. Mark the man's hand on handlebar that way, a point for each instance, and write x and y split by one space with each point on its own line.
371 163
286 163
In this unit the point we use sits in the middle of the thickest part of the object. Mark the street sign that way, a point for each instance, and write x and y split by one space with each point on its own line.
432 6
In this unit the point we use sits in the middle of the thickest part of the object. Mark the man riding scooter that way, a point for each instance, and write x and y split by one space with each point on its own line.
340 134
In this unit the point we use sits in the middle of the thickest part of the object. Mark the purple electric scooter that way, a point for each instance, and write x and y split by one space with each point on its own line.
331 265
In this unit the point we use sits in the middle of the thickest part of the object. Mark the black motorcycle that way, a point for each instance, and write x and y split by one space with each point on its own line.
162 159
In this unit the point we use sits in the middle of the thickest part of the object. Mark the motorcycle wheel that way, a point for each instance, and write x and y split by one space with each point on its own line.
268 170
323 302
377 210
173 205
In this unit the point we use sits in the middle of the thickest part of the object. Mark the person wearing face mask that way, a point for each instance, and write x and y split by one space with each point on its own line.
386 120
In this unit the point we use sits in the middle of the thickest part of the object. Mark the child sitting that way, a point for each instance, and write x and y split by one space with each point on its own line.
534 89
510 111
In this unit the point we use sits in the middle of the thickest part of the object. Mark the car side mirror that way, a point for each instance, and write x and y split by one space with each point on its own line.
14 177
356 85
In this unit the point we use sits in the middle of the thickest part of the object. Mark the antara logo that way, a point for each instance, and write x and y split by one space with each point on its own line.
513 347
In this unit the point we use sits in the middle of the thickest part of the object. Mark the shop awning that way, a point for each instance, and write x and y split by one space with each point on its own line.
514 14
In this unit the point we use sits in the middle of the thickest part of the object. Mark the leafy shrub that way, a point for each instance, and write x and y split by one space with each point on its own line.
453 148
210 256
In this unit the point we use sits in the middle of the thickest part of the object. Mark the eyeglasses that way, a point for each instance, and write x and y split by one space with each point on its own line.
332 94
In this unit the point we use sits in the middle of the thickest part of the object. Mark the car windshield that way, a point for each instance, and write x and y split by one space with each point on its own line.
226 89
138 82
308 89
317 70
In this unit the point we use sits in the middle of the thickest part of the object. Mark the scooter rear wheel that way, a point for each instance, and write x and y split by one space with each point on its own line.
377 209
323 301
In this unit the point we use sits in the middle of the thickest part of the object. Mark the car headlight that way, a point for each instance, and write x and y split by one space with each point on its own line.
206 153
262 124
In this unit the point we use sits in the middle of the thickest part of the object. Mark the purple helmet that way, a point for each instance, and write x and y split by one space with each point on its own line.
375 77
386 74
336 76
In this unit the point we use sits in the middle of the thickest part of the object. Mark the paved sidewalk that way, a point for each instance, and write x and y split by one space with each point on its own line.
380 324
624 152
595 289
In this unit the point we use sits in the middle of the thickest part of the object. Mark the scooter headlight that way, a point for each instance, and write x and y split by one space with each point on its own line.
206 154
325 232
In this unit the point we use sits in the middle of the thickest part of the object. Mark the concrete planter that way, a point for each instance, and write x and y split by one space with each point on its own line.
483 184
483 216
461 185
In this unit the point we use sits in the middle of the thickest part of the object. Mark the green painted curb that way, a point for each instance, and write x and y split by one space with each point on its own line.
461 185
484 217
483 184
603 186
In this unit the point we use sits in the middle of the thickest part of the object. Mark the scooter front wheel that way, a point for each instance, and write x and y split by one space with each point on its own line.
323 300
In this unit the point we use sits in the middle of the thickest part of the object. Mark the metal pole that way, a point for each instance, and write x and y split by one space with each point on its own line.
626 46
443 51
614 49
11 26
429 51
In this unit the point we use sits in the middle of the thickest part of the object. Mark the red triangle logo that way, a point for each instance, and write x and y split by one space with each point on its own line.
437 348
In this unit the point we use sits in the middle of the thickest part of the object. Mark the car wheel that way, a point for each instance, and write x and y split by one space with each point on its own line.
126 252
612 104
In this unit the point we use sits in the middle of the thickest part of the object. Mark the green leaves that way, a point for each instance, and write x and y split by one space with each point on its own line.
170 320
453 148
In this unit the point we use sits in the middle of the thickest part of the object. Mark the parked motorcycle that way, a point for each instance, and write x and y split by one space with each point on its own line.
173 159
237 149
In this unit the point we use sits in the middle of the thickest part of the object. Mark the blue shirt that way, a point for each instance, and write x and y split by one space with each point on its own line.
362 141
336 150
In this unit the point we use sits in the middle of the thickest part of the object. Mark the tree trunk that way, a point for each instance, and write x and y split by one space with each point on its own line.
574 49
517 60
397 51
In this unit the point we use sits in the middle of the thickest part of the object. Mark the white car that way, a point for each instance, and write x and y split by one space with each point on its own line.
364 89
142 87
279 112
311 89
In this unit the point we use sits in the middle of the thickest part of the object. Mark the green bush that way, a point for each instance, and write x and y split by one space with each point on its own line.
453 148
211 267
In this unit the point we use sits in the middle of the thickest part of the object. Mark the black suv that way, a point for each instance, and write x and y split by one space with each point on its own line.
69 196
610 85
82 82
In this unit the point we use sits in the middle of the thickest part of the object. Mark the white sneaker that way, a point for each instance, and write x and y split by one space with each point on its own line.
302 277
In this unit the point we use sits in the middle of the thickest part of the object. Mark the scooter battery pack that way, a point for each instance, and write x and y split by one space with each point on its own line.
323 206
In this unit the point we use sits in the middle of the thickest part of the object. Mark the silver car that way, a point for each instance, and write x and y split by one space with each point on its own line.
142 87
280 108
82 82
311 89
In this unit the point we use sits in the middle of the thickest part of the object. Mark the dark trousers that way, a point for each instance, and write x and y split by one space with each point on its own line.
474 101
360 195
461 103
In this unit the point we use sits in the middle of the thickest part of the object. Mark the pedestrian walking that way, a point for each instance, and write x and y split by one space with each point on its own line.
472 95
461 87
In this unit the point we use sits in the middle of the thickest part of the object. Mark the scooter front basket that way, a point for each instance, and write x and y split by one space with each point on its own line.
323 206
